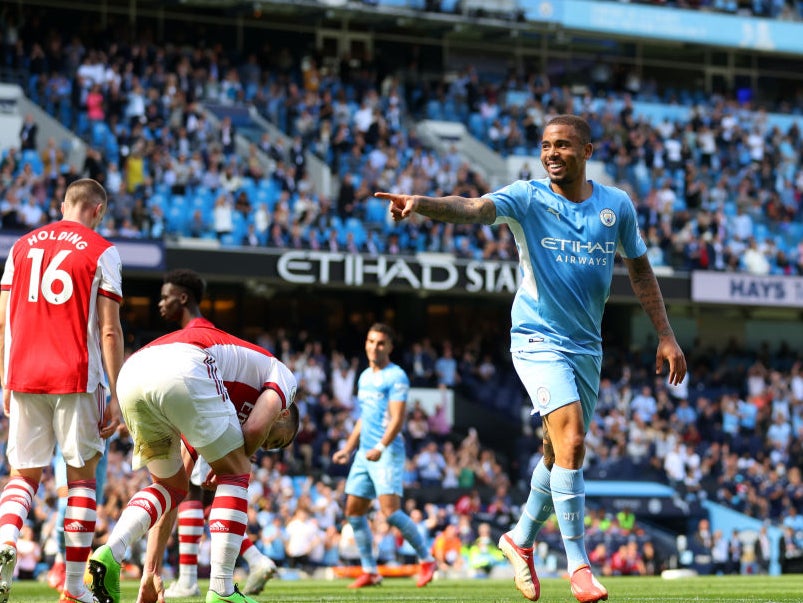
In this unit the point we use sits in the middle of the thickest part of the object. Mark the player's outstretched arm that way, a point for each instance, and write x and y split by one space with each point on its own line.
454 209
648 292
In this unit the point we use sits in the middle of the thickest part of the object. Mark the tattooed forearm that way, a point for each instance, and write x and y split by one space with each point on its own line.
646 288
457 210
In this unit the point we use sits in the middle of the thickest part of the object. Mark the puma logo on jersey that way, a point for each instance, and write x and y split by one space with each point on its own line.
554 212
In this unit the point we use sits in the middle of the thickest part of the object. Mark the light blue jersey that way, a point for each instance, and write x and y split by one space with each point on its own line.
566 253
375 390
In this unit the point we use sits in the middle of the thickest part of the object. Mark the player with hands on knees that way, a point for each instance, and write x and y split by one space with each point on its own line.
178 385
179 302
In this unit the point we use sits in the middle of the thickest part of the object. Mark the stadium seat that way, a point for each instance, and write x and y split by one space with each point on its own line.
99 133
179 201
157 199
32 157
376 211
228 240
202 202
240 226
177 221
356 228
477 126
434 109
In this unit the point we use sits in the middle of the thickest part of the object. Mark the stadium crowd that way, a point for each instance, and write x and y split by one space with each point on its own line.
721 192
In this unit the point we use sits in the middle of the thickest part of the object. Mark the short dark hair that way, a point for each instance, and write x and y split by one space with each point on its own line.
579 124
187 279
381 327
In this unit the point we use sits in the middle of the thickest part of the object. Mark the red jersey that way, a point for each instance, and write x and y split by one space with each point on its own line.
247 369
53 275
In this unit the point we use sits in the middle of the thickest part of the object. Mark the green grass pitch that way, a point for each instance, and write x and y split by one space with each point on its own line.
731 589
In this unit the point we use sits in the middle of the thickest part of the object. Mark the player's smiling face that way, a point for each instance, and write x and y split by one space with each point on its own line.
563 154
377 349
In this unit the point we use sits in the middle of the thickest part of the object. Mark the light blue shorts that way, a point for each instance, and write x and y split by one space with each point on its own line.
369 479
554 379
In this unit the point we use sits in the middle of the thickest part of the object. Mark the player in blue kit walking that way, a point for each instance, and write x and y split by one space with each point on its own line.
379 462
567 229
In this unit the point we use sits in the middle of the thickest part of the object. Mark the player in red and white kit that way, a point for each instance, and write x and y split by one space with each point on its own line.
60 321
179 301
199 382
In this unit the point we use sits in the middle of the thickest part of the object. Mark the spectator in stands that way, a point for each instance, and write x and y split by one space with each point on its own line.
644 404
28 133
29 554
303 536
421 366
223 216
447 550
417 428
483 554
446 367
431 465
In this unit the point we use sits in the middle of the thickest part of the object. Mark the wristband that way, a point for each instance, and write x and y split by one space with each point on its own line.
380 447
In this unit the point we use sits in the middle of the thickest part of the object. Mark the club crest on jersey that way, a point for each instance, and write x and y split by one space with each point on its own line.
607 217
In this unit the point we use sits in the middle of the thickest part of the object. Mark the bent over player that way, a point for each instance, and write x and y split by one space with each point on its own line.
179 384
179 301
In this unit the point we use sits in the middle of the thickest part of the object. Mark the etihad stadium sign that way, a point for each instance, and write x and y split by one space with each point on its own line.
423 271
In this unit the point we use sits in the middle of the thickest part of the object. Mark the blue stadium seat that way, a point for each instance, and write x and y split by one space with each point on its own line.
177 221
240 226
32 157
228 240
434 109
477 125
267 197
376 211
202 202
354 226
450 112
179 201
82 127
99 133
157 199
65 114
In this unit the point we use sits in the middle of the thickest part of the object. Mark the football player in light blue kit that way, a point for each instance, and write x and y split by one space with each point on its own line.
379 462
567 229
